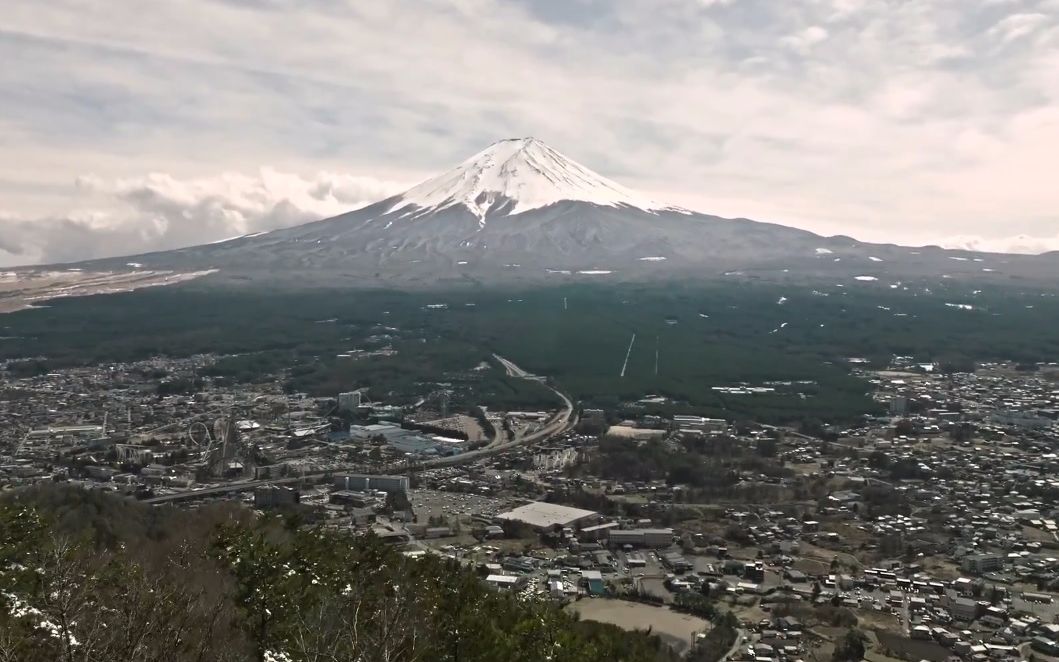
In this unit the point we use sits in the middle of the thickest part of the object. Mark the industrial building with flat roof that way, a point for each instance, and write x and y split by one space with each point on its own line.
542 515
405 440
593 581
505 582
364 483
641 537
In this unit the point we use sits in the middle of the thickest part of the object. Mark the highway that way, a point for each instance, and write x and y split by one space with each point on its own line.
229 488
557 424
562 421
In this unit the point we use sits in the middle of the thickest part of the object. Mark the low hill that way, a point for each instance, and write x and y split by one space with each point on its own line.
91 577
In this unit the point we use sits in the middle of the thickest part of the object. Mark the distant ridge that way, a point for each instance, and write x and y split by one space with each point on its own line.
520 212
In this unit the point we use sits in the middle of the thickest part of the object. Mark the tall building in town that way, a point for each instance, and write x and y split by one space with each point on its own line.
348 401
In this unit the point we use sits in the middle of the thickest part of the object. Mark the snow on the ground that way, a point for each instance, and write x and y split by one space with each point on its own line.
242 236
525 172
865 278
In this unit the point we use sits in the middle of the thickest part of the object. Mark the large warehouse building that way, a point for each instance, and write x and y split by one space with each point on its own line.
541 515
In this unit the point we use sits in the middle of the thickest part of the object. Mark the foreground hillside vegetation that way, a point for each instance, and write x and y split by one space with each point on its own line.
690 339
90 577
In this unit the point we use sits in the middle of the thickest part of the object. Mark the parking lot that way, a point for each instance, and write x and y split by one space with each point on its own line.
433 503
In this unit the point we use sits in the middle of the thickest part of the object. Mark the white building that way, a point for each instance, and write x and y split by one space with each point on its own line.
364 483
709 425
504 582
979 563
349 401
542 515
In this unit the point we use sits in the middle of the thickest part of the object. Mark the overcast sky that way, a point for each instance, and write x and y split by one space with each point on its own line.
128 125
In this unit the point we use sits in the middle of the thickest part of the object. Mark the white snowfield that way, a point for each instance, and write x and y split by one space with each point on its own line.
528 174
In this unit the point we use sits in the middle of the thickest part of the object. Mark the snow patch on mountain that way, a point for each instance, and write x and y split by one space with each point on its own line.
517 175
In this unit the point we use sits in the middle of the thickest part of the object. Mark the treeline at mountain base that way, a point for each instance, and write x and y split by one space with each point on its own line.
683 340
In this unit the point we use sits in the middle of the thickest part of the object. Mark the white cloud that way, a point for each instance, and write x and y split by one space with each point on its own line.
159 211
804 40
1016 26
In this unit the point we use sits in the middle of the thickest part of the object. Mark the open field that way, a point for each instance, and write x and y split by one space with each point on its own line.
19 291
677 629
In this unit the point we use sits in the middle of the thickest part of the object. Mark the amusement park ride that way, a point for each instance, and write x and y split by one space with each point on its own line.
222 450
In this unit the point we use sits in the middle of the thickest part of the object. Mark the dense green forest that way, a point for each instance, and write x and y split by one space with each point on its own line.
689 339
91 577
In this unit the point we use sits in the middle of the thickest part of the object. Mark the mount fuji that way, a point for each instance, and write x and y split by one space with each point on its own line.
521 212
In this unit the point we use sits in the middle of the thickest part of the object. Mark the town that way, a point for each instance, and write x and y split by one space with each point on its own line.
926 533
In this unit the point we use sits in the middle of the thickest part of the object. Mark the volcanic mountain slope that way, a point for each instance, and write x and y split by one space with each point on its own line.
519 211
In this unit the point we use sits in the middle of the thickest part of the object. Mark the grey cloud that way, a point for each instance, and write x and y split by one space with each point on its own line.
903 116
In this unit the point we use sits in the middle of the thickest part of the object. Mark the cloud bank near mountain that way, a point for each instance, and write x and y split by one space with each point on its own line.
159 211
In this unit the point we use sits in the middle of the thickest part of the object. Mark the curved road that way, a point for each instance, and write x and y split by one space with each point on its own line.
557 424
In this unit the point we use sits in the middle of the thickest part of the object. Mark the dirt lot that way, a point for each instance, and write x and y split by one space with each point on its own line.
806 469
677 629
940 567
1034 534
463 423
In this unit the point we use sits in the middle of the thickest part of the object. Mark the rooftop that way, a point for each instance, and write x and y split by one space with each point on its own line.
544 515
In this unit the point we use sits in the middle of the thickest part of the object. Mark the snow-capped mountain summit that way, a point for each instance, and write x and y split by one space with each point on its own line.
514 176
